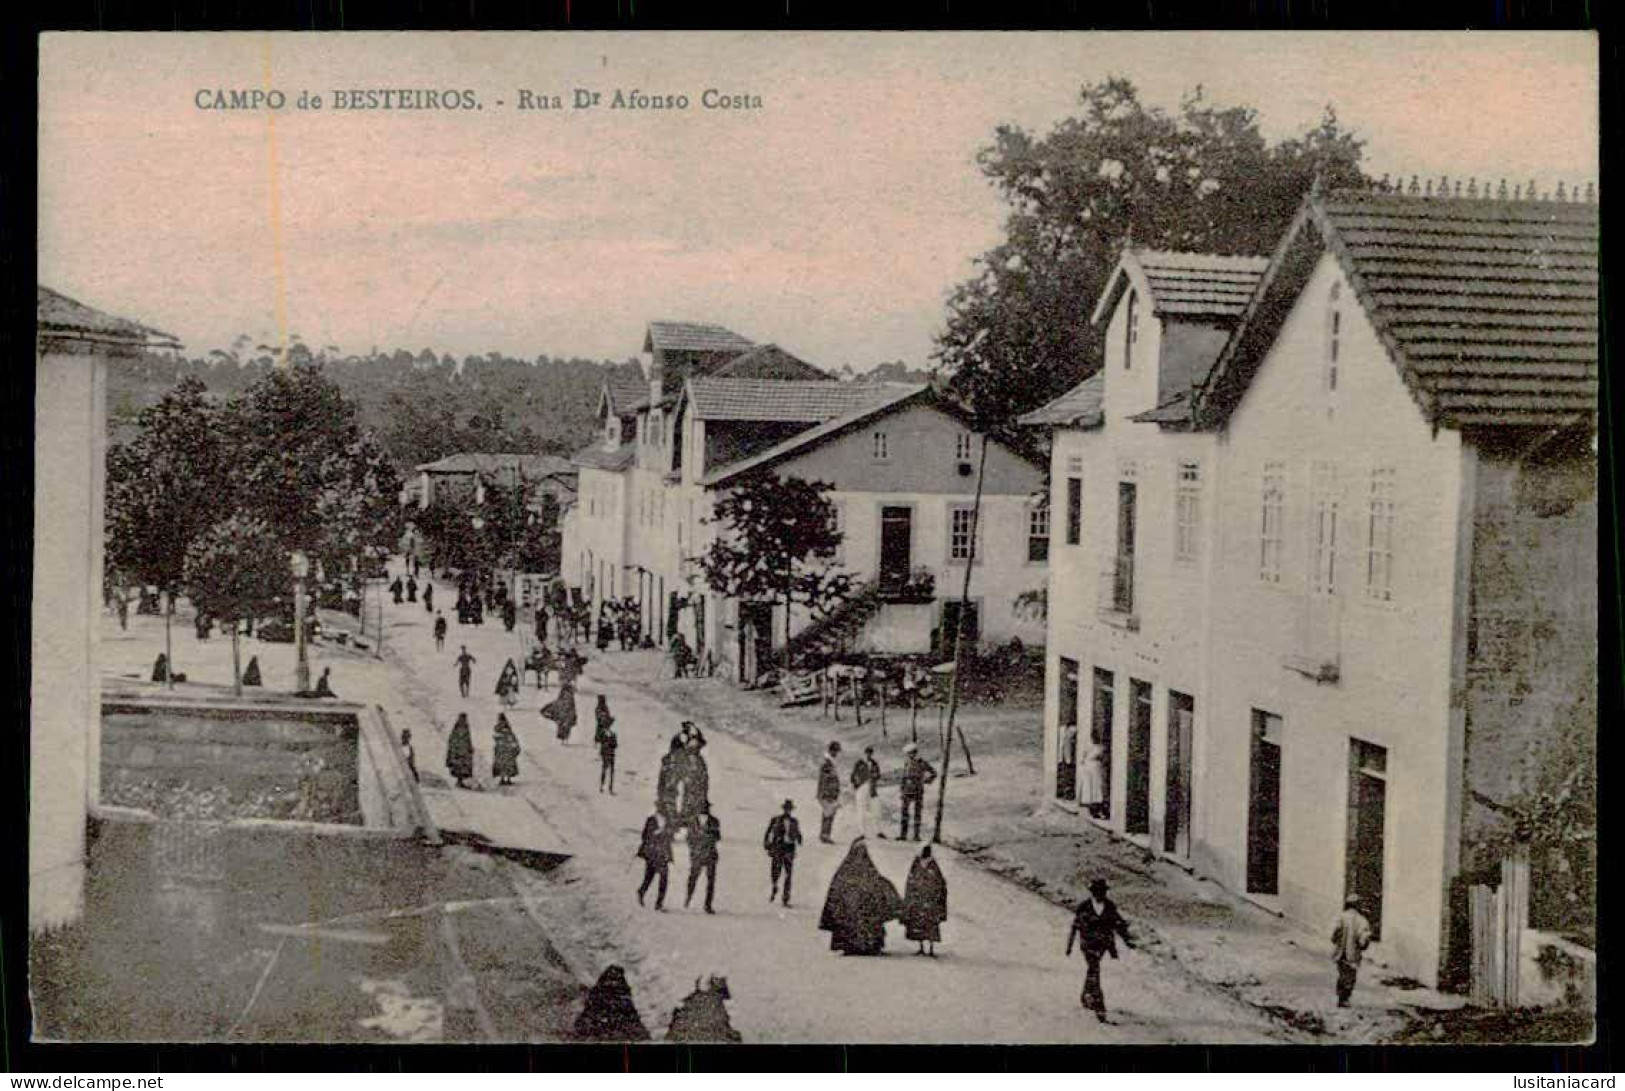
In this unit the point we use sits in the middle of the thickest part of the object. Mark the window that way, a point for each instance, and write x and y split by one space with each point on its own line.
1131 332
837 523
961 525
1379 540
1323 574
962 447
1074 510
1334 335
881 452
1038 533
1187 511
1270 536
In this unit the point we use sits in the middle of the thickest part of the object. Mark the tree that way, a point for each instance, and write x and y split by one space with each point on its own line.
1120 173
161 489
236 571
777 541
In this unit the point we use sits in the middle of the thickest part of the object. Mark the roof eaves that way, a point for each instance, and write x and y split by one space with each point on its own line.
813 436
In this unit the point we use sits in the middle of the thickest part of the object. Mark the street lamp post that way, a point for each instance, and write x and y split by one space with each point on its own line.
301 569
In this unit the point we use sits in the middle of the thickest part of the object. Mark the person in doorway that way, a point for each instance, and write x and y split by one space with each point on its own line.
1096 926
409 753
411 589
703 834
829 794
655 848
324 688
859 903
1350 937
251 676
460 751
608 743
925 903
1091 776
504 751
917 773
1066 764
439 632
781 840
465 670
866 789
428 598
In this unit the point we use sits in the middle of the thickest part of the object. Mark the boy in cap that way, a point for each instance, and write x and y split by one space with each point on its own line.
917 773
1096 926
1350 938
782 836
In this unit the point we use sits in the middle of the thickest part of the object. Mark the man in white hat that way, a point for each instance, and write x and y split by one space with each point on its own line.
917 773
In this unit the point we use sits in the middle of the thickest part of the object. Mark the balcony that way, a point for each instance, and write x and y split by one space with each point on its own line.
917 586
1117 593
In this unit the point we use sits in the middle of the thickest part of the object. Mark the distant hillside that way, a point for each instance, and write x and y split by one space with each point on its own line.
421 407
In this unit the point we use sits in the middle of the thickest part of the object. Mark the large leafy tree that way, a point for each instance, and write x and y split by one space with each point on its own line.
776 540
235 570
1119 172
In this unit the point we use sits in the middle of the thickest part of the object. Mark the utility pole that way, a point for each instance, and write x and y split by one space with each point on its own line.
959 654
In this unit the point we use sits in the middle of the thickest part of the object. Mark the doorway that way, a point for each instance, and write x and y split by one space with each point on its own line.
1176 807
1066 769
1137 781
1264 806
1101 726
949 630
896 544
755 640
1368 801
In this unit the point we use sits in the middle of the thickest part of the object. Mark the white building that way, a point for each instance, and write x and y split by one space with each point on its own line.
1362 563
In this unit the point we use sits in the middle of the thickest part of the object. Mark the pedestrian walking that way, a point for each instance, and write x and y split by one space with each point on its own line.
428 598
859 903
925 903
545 665
696 781
562 710
123 608
606 630
917 773
395 589
409 752
781 840
1096 926
504 751
411 589
508 684
1350 937
602 720
460 751
655 848
703 834
608 743
465 670
669 782
439 632
510 615
866 790
251 675
541 624
829 794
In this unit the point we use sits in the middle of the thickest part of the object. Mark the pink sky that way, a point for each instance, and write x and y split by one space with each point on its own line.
833 221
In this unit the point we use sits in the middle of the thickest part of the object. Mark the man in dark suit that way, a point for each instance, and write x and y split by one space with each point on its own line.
1096 926
782 837
703 834
829 794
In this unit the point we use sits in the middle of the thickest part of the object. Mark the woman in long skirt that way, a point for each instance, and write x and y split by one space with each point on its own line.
562 709
504 751
859 903
460 751
925 903
1091 777
508 684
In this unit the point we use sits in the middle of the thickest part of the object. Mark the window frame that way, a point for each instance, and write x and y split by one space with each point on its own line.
1272 522
1038 512
879 446
1323 511
972 534
1334 339
1187 511
1379 555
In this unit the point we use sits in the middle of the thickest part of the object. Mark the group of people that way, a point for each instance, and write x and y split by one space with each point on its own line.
861 901
865 780
682 807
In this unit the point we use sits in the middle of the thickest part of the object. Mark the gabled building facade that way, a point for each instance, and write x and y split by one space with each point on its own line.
1392 613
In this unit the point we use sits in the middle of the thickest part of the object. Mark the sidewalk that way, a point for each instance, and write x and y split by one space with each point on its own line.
995 819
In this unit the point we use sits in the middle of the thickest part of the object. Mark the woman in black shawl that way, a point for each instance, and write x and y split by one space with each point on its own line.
504 751
603 721
562 709
508 684
925 903
460 751
859 903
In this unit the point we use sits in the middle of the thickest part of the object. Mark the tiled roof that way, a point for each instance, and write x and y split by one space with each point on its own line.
782 399
1176 410
596 458
693 337
59 315
892 395
1488 307
627 389
531 466
1186 285
767 362
1077 408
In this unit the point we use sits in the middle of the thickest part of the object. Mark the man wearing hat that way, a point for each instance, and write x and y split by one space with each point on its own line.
917 773
782 836
829 793
866 787
1096 926
1350 938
